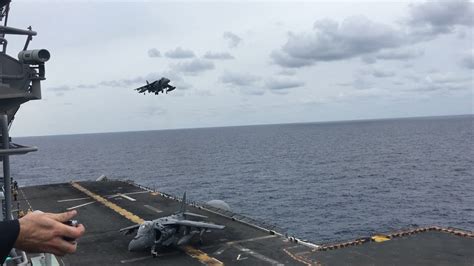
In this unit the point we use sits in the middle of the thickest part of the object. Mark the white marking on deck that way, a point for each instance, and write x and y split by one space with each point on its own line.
239 257
221 249
136 259
67 200
152 208
229 243
126 197
128 193
257 255
250 239
81 205
108 196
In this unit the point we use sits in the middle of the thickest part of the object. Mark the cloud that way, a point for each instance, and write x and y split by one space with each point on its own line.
194 66
245 83
287 72
439 17
382 74
176 79
153 52
218 56
398 54
232 39
369 59
179 53
442 82
86 86
238 79
122 82
361 83
282 85
360 37
286 60
468 60
330 41
61 88
153 110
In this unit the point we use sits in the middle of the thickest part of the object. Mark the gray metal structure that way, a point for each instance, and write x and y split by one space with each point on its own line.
172 230
19 82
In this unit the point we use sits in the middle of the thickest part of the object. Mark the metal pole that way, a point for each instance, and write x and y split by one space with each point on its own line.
6 167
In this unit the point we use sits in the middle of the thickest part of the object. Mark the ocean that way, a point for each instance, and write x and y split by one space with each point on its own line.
322 182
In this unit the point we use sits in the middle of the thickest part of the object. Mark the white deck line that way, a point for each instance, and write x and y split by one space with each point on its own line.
82 205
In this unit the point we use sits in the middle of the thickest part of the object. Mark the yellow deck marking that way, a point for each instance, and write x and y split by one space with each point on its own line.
380 238
201 256
130 216
195 253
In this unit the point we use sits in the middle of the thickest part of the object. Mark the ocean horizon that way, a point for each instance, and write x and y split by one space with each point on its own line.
320 181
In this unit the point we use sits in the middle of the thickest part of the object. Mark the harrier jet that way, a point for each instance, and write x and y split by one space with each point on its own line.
173 230
157 86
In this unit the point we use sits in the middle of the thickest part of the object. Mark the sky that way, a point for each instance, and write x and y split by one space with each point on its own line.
244 63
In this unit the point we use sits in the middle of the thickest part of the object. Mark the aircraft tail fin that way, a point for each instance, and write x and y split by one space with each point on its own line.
147 83
182 209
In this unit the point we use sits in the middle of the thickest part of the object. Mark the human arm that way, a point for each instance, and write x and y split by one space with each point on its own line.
45 232
8 234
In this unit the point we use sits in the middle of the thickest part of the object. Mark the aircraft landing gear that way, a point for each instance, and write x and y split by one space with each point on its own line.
154 253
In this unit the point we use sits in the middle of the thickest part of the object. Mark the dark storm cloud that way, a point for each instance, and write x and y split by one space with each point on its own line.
330 41
438 17
218 56
468 60
153 52
232 39
180 53
194 66
282 84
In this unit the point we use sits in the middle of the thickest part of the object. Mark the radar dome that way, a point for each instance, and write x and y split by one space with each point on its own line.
220 204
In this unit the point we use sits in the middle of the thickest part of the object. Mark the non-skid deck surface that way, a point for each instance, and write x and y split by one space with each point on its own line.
105 207
102 244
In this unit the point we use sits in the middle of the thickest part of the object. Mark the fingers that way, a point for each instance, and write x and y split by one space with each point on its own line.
62 217
71 232
62 247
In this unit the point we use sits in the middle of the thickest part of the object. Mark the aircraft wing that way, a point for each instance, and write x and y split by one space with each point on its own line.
129 229
195 224
142 88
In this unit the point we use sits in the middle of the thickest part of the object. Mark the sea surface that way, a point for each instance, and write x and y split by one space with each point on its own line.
322 182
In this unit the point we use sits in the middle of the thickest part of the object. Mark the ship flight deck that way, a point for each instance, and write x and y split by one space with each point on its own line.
104 207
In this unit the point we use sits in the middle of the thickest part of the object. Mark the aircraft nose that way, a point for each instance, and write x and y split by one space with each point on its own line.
135 245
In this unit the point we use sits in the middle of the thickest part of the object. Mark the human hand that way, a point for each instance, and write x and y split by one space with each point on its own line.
45 232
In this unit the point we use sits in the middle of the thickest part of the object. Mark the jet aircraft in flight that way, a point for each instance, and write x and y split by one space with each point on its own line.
162 85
